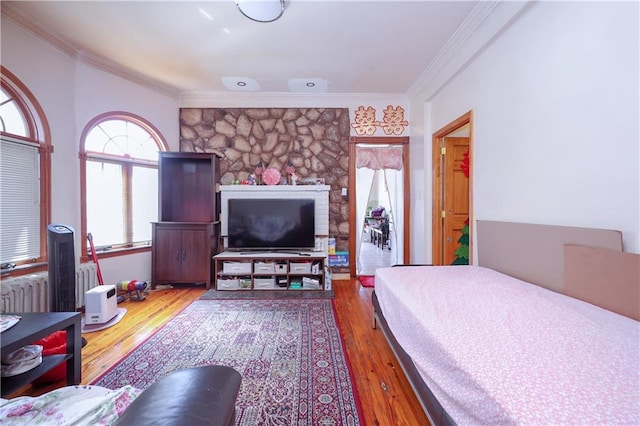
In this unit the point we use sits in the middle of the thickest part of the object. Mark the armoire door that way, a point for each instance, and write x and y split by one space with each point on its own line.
167 254
196 260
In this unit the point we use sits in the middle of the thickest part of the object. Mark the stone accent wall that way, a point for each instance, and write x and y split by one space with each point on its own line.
315 140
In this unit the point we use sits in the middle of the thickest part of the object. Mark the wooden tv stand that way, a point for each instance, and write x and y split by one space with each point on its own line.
264 270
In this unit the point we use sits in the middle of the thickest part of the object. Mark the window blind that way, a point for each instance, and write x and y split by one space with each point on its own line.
19 201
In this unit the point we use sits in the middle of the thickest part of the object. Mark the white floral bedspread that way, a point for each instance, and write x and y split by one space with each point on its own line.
70 405
497 350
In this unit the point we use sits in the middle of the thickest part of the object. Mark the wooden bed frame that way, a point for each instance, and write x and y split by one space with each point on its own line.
536 254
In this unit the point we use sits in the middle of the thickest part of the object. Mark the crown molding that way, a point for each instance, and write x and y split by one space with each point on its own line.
61 43
193 99
37 28
126 73
487 20
284 100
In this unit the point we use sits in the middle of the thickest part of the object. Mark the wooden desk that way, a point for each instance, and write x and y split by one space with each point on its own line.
34 326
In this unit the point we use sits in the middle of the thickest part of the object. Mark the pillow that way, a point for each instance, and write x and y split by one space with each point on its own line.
54 344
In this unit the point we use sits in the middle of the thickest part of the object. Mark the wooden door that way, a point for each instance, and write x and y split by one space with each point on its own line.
456 195
451 192
167 246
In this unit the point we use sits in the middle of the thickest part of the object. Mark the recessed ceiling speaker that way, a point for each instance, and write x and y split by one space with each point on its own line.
241 84
315 85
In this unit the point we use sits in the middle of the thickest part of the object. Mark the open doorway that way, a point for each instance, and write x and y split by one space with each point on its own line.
378 203
378 246
452 184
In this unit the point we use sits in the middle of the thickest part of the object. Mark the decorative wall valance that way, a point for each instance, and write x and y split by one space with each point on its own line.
379 158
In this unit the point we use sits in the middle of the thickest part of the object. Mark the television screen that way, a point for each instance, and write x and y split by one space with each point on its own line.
269 223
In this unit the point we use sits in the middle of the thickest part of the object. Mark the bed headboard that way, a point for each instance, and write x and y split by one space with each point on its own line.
535 253
603 277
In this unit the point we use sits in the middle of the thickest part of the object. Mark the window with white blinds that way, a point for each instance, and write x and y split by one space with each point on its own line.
25 179
19 201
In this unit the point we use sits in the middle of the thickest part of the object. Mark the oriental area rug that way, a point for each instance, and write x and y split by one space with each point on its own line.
289 352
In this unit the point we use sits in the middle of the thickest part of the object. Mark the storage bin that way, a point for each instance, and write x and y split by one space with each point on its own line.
227 284
264 283
310 284
300 268
236 267
281 268
264 268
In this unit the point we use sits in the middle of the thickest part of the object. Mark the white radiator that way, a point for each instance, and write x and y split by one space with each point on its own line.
30 293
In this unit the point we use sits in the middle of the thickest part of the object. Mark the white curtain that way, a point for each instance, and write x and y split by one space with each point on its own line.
379 158
364 178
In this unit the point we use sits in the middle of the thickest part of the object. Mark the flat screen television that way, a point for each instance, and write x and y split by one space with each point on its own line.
271 224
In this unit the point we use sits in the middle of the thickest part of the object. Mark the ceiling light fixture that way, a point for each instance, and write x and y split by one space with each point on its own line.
261 10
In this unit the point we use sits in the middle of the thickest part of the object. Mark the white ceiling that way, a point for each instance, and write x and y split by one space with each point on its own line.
374 47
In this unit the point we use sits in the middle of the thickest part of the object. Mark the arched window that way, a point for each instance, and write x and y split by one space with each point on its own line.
25 168
119 179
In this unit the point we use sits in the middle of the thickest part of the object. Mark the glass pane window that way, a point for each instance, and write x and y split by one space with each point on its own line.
121 181
105 203
122 138
145 202
11 118
25 177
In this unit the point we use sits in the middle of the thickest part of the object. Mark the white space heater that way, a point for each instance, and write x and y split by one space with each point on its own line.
101 304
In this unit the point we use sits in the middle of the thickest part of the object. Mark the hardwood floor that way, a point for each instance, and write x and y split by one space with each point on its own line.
385 394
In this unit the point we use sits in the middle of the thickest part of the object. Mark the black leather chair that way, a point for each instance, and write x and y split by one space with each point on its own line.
191 397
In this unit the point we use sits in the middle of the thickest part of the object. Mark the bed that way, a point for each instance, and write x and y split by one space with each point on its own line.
545 330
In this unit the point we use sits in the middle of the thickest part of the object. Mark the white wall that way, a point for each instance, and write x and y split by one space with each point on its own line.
556 120
72 93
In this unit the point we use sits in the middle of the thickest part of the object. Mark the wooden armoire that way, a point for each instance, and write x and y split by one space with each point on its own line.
187 232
